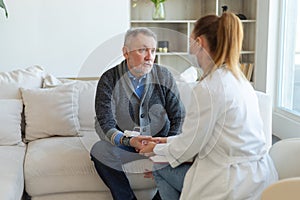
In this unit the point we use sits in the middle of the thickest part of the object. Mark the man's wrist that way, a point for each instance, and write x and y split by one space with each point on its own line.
116 138
125 141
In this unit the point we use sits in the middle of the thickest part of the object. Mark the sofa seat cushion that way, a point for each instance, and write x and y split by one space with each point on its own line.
63 164
11 172
140 194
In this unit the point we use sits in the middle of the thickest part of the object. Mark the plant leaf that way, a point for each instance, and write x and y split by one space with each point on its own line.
156 2
2 5
161 1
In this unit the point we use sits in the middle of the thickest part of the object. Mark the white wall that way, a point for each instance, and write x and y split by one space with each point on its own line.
58 35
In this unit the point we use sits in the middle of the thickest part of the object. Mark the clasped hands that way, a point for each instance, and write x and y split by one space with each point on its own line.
145 144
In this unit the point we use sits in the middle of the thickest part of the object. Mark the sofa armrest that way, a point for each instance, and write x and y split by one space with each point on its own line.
265 107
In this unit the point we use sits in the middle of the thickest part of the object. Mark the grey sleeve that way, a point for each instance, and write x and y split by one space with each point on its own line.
105 123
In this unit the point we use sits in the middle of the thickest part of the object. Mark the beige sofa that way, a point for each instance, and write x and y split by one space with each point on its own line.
58 135
52 161
12 149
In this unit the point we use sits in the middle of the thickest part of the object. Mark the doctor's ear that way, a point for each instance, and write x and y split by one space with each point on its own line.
199 42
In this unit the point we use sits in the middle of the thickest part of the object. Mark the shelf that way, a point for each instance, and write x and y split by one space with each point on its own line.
249 21
174 9
180 21
172 54
162 21
248 52
186 53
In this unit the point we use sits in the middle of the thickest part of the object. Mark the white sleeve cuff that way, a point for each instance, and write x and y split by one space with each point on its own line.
170 138
161 149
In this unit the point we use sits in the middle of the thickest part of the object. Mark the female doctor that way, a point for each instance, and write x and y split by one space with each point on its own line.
223 129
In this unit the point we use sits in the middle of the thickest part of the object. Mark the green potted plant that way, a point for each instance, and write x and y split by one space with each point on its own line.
2 5
159 9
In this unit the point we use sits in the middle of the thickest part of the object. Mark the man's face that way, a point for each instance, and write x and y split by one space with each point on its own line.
140 54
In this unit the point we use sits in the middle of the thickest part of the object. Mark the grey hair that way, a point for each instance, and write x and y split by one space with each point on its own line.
133 32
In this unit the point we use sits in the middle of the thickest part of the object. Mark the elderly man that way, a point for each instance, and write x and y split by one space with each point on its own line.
134 95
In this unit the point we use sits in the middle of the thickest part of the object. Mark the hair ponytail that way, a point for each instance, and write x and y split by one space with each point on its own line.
229 43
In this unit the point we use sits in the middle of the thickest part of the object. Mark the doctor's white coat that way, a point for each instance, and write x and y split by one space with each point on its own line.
223 131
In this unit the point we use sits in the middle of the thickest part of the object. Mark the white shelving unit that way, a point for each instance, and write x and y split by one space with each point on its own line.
179 22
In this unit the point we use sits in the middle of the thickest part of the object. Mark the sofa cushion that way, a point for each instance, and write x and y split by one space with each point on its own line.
265 108
190 75
10 82
11 172
51 112
186 91
185 82
10 120
146 194
87 91
63 164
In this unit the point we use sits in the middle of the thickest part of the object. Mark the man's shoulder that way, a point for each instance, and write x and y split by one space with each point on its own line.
162 70
113 73
112 70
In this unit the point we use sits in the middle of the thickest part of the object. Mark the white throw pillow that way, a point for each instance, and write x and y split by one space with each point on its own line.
185 84
87 113
87 92
190 75
51 112
10 121
10 82
186 91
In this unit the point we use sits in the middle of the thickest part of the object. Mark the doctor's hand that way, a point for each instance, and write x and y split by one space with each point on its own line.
138 142
148 148
148 174
159 139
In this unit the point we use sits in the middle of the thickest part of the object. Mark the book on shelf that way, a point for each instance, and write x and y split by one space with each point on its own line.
247 69
244 68
250 71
